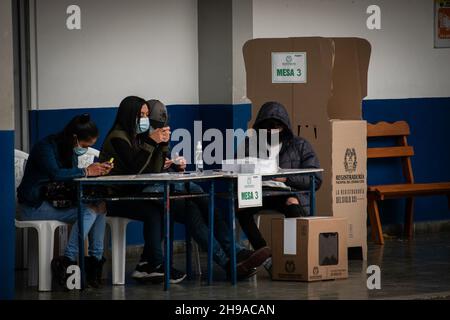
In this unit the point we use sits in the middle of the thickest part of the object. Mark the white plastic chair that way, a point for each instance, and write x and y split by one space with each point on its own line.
118 227
45 230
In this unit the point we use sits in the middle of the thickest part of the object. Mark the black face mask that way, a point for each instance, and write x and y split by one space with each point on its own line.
269 125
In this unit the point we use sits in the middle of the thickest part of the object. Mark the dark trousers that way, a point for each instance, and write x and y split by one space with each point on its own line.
193 213
247 220
196 219
151 214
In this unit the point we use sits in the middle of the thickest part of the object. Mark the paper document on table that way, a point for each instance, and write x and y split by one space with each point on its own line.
275 185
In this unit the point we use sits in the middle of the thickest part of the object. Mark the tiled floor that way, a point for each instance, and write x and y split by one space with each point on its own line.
419 269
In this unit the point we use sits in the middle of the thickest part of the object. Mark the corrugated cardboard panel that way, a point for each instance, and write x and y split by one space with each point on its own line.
258 67
351 63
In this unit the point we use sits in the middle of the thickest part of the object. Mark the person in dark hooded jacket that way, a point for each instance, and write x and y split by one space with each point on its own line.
139 143
294 153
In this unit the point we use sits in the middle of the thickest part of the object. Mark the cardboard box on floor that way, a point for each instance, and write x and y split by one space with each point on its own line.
264 223
325 110
309 249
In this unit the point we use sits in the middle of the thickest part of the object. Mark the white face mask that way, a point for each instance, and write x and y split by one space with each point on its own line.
143 125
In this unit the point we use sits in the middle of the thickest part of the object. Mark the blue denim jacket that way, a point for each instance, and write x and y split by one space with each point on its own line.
44 165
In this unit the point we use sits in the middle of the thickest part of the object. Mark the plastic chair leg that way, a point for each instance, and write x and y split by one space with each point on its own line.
118 250
45 234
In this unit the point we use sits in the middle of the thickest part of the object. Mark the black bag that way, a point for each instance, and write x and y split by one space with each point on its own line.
61 195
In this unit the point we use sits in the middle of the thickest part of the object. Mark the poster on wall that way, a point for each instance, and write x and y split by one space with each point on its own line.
442 23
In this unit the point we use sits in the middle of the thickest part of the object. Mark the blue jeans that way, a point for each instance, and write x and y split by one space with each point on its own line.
94 225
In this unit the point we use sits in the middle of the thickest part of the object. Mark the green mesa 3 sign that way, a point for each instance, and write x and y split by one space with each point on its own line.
288 67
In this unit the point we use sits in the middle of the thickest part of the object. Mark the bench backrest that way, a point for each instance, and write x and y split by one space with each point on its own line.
400 131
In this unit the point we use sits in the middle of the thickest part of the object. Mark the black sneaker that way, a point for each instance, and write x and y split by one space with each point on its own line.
268 266
176 276
59 267
144 272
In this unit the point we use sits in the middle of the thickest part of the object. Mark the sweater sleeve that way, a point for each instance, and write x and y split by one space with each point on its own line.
46 158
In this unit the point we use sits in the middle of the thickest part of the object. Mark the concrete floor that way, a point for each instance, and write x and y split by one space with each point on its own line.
418 269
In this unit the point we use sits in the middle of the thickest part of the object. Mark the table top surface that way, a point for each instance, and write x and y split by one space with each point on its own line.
187 176
280 172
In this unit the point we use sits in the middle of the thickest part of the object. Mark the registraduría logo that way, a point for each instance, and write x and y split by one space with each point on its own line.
350 161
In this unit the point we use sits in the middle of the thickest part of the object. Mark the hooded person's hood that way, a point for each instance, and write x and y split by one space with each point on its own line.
158 114
273 110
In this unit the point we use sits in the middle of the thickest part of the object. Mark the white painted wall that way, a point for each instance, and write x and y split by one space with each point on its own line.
403 62
6 67
136 47
242 24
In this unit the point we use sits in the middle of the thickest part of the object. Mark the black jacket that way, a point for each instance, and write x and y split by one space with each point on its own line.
295 152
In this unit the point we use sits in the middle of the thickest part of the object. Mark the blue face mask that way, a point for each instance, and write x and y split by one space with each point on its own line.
79 151
143 125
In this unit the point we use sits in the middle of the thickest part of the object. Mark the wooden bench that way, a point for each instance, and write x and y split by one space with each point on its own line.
399 131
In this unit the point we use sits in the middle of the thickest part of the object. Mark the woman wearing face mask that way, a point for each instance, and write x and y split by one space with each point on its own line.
47 192
196 212
137 147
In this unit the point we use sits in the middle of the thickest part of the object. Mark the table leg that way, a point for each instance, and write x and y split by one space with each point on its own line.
231 219
188 254
312 195
80 236
188 240
166 236
211 233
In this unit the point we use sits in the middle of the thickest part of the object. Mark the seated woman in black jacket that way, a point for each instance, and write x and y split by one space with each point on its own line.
140 145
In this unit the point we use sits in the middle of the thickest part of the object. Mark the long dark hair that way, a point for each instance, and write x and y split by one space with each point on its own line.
127 116
80 126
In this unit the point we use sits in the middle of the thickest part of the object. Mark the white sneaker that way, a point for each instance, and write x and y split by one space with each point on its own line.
268 266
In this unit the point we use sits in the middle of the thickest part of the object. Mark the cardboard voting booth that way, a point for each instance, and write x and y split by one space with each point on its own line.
309 249
321 82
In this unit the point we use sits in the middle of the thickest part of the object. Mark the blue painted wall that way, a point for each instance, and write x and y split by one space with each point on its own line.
45 122
7 214
427 117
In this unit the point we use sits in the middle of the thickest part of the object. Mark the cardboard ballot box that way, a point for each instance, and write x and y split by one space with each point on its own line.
321 82
309 249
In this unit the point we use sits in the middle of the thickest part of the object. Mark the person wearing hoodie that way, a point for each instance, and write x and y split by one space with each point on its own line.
293 153
138 142
136 150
